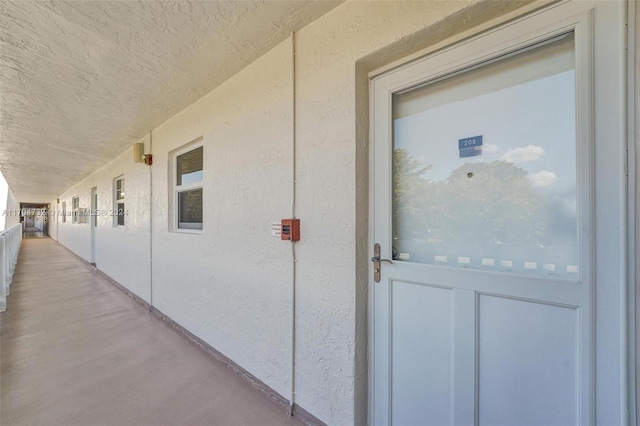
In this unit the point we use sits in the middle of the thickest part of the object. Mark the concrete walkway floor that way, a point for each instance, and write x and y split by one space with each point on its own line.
75 350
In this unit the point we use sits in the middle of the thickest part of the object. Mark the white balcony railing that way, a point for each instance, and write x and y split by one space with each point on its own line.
9 247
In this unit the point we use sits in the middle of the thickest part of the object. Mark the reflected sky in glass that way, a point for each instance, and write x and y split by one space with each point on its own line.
530 125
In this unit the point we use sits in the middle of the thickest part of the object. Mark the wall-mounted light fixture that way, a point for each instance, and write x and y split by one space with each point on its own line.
139 156
138 152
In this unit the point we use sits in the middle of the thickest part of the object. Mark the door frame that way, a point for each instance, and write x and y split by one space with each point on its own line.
629 320
633 162
93 223
57 213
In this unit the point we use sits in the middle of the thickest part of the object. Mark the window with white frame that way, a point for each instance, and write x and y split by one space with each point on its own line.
75 204
64 212
188 188
118 201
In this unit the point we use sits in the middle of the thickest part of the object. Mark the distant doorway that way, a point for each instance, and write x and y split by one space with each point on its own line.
34 219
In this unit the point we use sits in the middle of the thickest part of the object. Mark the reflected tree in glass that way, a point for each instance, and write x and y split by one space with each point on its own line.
484 208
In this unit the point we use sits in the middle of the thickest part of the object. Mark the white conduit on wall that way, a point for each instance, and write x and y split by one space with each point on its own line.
293 216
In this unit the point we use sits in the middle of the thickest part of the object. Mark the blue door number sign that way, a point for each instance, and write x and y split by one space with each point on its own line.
470 147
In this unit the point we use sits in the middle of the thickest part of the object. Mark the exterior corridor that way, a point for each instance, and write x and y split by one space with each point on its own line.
75 350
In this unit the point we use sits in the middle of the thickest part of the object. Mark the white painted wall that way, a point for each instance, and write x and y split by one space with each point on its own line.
54 217
122 253
231 285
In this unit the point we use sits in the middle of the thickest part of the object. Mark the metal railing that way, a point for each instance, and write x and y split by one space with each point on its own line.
10 241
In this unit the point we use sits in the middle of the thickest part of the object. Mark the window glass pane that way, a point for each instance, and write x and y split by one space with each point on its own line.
120 214
190 167
120 189
484 172
75 202
190 209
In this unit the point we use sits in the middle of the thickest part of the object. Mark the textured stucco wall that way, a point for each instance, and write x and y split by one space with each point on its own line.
231 285
54 209
76 236
122 253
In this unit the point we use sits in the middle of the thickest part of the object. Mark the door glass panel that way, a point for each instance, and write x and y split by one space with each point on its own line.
484 166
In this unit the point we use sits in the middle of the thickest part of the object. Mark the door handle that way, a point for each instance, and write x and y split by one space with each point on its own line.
376 262
377 259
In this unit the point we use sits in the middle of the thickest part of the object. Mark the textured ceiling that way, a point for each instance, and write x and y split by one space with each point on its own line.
81 81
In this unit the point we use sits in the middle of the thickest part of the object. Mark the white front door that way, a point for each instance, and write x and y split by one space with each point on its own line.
496 201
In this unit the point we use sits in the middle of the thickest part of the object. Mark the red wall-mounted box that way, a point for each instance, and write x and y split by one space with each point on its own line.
290 230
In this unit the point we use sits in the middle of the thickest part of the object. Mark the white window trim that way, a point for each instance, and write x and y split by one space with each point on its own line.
176 189
64 211
115 202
